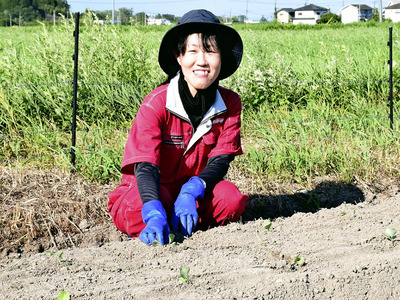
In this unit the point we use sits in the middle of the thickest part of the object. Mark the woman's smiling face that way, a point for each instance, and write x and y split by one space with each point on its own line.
200 67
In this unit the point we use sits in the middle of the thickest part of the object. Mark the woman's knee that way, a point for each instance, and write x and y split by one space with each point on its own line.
225 204
227 195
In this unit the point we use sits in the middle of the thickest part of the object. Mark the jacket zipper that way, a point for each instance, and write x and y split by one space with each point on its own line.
182 144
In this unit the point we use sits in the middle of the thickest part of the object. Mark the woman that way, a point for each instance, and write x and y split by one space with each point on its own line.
185 134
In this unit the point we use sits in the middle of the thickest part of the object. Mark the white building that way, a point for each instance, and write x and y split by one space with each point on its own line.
285 15
153 21
251 22
392 11
101 22
356 13
309 14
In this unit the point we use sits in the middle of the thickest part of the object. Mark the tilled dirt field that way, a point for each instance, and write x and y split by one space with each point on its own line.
56 235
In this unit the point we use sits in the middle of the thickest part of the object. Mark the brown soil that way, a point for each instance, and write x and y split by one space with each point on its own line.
56 235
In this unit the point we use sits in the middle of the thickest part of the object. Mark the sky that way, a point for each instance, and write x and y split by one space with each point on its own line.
254 9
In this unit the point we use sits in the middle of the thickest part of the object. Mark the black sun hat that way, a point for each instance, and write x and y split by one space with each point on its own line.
196 21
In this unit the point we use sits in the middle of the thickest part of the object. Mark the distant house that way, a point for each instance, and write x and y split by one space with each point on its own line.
101 22
356 13
285 15
392 3
153 21
392 11
251 22
309 14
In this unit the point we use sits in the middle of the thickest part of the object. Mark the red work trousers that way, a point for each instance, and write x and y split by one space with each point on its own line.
222 205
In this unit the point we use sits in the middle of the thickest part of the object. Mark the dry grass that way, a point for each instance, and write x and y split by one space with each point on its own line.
51 209
41 209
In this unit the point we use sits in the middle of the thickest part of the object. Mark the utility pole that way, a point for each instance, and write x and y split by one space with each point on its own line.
247 4
112 14
54 17
380 11
131 18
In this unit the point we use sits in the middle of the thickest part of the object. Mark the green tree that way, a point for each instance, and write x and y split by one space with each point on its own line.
170 18
329 18
125 15
375 15
141 18
31 10
103 15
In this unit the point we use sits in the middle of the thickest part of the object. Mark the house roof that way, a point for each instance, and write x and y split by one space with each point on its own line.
303 19
362 6
394 6
311 7
289 10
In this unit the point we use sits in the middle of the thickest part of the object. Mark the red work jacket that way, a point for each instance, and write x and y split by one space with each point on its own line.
163 135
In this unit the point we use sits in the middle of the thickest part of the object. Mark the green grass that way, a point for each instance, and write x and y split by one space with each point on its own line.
314 98
319 140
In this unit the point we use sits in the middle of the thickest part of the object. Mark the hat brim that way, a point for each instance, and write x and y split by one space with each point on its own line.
230 39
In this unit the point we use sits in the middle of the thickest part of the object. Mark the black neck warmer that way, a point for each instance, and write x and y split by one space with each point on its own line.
197 106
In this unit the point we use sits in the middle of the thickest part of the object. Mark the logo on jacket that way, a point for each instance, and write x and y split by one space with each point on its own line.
218 120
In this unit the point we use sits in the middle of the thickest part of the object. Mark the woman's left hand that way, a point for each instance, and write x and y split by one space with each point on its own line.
185 208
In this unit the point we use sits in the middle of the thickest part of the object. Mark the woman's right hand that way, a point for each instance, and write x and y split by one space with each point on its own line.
155 218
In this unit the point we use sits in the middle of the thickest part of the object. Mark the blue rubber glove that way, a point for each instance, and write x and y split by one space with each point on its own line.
155 218
185 210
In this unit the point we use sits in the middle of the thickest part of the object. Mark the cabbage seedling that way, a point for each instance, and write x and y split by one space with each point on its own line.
267 224
59 255
300 261
390 233
184 272
171 240
63 296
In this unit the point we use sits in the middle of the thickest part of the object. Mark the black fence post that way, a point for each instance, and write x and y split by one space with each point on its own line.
390 62
75 83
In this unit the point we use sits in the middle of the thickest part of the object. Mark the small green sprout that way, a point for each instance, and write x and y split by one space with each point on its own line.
184 272
59 255
390 233
63 295
171 240
267 224
300 261
343 212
